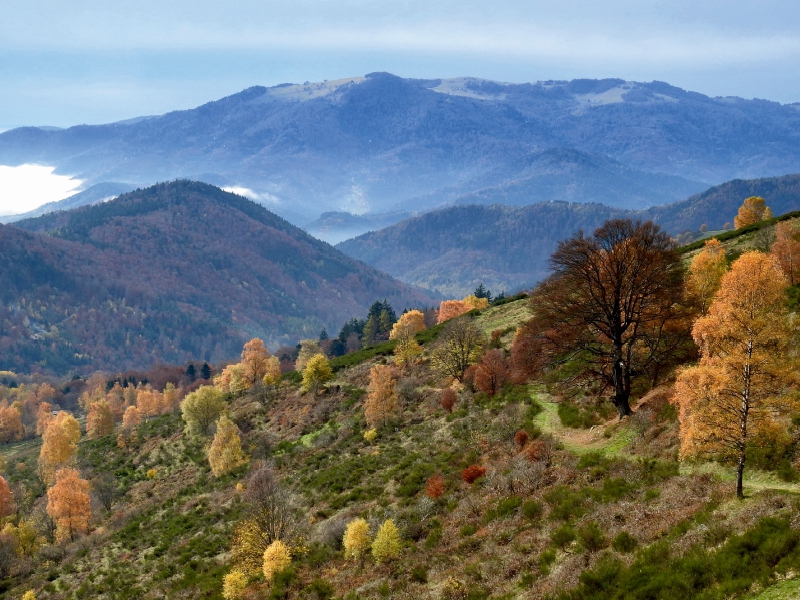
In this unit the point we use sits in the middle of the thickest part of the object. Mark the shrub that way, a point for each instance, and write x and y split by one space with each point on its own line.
468 530
276 559
532 509
320 589
624 542
563 536
472 473
233 585
591 537
521 438
448 399
370 435
434 487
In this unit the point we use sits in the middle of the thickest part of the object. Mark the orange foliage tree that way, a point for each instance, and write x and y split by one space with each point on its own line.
736 394
448 399
787 248
491 373
381 402
44 417
59 445
11 427
68 504
410 323
450 309
100 420
434 487
705 274
255 359
752 210
131 418
7 507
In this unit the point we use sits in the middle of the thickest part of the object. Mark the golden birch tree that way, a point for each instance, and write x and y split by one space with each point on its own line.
735 396
752 210
68 504
381 402
225 453
705 274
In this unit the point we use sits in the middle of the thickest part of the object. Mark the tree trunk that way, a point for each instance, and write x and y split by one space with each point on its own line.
739 477
621 391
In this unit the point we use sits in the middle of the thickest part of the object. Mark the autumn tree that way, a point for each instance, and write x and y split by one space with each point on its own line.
387 544
316 373
202 408
269 514
448 398
46 393
131 418
473 302
68 504
59 446
450 309
272 371
99 421
43 417
11 427
233 585
410 323
787 248
434 486
231 379
308 349
7 506
254 362
459 345
225 453
491 373
356 539
406 349
277 558
736 394
751 211
170 399
705 273
606 313
381 401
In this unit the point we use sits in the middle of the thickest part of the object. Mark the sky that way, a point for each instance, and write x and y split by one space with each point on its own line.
95 61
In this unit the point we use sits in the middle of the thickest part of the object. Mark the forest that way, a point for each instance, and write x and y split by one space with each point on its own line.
628 428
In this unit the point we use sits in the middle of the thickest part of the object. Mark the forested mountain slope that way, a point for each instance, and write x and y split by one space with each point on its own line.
381 143
170 273
454 249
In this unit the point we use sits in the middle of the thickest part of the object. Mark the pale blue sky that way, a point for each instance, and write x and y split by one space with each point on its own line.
92 61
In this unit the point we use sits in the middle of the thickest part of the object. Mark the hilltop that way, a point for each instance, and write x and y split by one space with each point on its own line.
170 273
454 249
381 144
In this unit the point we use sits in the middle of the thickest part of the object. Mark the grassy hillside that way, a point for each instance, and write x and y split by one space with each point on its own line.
600 512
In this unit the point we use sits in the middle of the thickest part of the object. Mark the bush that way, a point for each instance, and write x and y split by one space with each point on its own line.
591 537
319 589
472 473
624 542
563 536
532 509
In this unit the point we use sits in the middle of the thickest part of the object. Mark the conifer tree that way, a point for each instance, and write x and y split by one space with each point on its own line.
205 371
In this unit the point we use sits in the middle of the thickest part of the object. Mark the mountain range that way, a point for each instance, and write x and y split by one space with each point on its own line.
175 272
452 250
382 146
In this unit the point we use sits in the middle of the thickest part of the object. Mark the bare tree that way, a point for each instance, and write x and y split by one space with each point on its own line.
104 487
460 344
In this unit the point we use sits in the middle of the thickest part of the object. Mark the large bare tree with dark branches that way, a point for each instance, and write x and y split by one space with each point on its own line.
609 310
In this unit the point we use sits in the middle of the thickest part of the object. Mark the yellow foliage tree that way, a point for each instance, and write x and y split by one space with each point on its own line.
225 453
273 371
406 349
148 402
387 544
705 274
44 417
410 323
751 211
473 302
308 349
276 559
7 506
169 399
68 504
59 446
27 540
29 595
202 408
381 402
787 248
356 539
735 396
100 420
231 380
316 373
233 585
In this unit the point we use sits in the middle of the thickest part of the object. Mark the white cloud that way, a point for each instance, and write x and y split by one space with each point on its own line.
26 187
254 196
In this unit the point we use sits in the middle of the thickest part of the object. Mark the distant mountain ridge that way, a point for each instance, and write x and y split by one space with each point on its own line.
452 250
380 144
170 273
99 192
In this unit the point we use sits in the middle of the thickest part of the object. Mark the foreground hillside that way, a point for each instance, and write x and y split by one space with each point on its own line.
560 511
167 274
454 249
381 143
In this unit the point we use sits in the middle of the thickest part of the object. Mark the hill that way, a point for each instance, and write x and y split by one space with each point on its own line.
100 192
380 143
454 249
170 273
561 512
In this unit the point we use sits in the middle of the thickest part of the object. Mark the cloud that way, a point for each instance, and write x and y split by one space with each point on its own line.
26 187
254 196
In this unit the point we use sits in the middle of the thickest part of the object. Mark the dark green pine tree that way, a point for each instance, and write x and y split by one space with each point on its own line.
482 292
205 371
191 373
323 335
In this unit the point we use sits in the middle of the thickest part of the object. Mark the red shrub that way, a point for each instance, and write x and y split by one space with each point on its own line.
491 372
539 451
434 487
521 438
448 399
472 473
